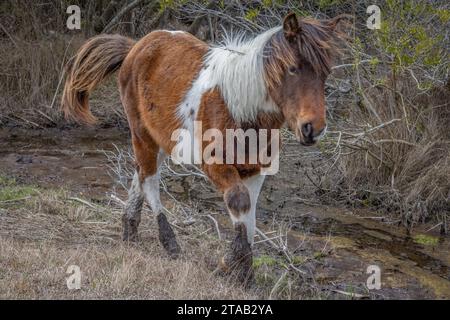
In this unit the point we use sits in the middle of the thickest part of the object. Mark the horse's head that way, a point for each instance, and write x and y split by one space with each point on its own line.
297 65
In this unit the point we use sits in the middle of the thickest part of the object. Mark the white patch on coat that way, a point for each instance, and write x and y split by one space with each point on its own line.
150 186
237 69
253 185
175 32
188 109
134 193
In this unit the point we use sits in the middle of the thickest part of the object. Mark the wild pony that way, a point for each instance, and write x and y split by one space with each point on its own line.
169 79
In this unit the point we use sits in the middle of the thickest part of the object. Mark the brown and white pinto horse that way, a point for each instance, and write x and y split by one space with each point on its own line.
169 79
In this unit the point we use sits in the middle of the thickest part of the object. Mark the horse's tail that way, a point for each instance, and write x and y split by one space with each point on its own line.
95 60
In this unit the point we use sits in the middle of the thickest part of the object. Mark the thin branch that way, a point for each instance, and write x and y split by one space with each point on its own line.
123 12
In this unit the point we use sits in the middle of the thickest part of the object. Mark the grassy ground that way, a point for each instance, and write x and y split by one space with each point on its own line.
44 231
52 219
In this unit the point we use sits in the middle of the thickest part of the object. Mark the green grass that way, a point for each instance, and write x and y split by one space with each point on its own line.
10 190
264 260
298 260
16 192
425 240
5 181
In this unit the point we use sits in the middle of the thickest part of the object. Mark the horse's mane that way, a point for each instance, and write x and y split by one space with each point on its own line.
244 69
237 69
317 44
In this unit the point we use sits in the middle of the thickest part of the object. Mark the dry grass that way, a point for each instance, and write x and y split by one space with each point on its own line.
36 68
44 234
34 48
394 157
37 271
44 231
402 168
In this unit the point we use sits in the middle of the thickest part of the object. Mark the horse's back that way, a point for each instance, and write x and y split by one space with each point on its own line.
155 76
171 50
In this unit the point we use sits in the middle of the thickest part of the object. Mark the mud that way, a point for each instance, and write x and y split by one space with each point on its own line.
343 242
52 158
167 237
238 260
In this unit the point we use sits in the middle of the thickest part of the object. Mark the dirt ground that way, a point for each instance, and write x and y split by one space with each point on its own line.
59 207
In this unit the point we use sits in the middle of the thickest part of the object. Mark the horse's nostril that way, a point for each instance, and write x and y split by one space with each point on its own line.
307 130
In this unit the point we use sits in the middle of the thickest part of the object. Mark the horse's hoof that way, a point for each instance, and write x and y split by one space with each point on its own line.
130 229
167 237
238 262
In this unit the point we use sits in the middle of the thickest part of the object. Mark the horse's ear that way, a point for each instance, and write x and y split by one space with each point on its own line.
333 23
291 26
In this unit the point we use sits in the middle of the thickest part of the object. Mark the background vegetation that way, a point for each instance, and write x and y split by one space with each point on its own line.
388 146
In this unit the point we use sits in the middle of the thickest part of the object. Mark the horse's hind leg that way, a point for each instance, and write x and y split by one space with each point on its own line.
150 186
133 207
145 151
149 158
152 194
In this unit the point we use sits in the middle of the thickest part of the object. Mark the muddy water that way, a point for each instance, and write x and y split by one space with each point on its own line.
343 242
49 158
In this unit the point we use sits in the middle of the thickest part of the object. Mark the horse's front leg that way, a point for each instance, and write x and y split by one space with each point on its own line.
240 198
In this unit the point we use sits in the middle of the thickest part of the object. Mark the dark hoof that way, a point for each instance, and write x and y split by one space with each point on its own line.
167 237
130 229
238 262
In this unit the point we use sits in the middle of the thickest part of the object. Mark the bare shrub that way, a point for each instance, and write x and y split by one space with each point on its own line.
390 146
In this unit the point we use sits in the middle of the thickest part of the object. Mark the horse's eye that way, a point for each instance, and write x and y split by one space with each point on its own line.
292 70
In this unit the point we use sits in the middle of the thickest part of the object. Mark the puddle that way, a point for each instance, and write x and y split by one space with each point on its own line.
51 158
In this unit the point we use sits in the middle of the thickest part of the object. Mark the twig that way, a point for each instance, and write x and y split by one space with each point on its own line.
396 141
268 239
263 235
117 199
216 225
46 116
381 126
350 64
29 121
15 200
434 227
123 12
84 202
7 33
351 294
277 284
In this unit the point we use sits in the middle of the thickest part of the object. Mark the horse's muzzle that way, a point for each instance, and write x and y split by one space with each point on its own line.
308 136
